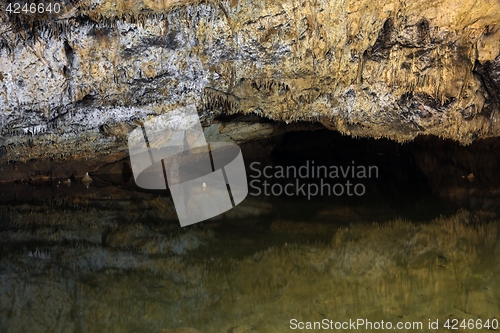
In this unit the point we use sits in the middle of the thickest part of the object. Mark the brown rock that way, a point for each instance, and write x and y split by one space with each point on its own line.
73 89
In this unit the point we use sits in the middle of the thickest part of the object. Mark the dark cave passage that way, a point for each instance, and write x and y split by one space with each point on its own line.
420 179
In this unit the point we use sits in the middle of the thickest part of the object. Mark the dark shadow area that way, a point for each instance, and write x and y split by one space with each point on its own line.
418 180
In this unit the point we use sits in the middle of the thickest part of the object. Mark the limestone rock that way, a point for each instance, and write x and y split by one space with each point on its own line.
73 85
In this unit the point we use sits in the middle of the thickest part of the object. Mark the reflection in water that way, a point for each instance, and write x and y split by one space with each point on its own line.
112 259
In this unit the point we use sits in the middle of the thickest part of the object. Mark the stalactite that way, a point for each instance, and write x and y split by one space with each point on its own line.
214 99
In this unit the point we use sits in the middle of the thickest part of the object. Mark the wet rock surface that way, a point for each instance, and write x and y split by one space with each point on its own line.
73 86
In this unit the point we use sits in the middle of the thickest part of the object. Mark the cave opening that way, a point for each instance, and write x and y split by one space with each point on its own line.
418 180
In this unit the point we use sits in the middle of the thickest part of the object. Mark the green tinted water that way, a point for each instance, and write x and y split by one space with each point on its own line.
112 258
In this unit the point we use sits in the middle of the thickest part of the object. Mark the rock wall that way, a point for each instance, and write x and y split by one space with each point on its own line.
73 85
